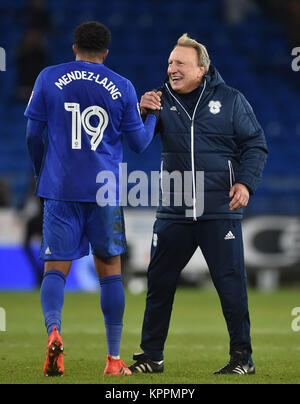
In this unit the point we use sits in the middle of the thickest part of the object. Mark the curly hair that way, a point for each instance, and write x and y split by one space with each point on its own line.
92 36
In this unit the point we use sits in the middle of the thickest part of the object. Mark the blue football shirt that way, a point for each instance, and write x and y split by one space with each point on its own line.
87 108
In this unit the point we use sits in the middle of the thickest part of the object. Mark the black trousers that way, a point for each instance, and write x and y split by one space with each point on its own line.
173 245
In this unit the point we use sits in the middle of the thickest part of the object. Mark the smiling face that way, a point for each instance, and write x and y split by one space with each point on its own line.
184 72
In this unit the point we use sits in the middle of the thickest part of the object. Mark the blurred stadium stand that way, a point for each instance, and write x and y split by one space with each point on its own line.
251 49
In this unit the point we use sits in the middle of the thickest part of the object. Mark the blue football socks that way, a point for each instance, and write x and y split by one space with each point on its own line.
112 301
52 298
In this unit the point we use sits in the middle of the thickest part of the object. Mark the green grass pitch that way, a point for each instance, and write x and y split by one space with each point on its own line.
197 344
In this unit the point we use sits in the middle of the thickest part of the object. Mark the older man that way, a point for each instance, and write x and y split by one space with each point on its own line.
205 126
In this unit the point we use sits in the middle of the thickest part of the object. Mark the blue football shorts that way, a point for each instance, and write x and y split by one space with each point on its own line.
71 228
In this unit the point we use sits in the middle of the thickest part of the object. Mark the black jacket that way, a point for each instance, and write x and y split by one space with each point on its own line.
222 140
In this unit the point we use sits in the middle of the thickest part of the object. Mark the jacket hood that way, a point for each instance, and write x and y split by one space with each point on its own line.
213 77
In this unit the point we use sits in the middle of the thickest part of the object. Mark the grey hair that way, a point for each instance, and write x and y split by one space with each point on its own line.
203 57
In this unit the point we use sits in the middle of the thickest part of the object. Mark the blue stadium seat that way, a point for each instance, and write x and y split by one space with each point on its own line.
251 57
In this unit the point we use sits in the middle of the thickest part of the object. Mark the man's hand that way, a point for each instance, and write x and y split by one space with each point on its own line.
150 100
240 196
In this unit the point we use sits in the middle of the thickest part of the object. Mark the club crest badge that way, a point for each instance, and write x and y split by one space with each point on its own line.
215 107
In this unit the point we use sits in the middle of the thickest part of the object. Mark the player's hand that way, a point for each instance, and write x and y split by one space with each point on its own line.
240 196
150 100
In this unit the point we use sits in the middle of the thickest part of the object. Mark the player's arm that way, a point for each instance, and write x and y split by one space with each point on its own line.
151 100
36 113
35 144
139 140
138 134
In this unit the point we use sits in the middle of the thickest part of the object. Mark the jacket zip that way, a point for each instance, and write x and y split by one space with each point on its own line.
231 174
161 177
192 119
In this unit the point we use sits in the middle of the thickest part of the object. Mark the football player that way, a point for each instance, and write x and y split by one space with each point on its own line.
84 108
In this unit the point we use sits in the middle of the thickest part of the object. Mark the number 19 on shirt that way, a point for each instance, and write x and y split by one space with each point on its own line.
83 120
